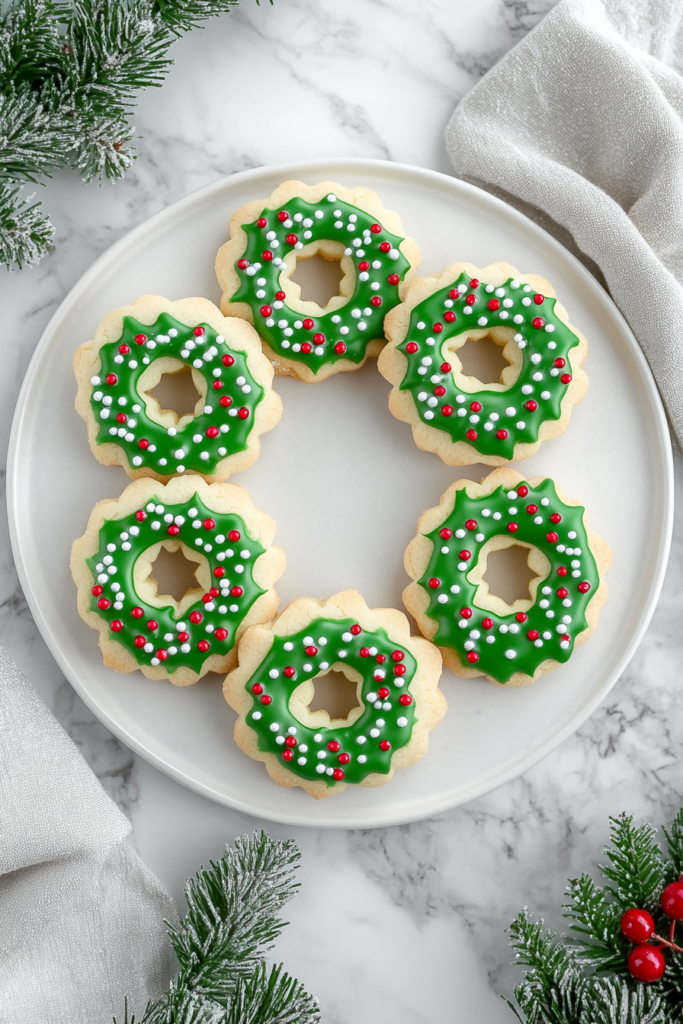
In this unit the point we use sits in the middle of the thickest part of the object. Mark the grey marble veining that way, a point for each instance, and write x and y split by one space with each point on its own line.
403 924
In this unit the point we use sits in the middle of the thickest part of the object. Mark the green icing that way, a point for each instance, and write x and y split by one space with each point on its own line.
493 422
341 333
356 750
227 548
220 431
558 614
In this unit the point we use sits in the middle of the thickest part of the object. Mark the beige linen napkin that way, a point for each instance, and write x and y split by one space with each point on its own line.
81 917
581 126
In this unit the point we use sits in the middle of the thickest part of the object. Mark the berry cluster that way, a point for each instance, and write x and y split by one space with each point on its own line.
646 961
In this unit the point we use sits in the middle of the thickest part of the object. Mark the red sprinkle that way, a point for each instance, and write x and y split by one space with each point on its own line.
290 672
434 583
412 347
405 699
472 656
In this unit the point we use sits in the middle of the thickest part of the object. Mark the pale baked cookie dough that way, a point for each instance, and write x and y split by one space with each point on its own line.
215 525
397 679
479 633
297 222
457 416
132 348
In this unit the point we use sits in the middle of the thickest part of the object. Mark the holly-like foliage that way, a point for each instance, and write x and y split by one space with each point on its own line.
583 978
232 921
69 74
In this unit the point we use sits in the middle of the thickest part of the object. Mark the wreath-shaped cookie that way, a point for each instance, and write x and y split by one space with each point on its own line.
478 633
215 525
299 221
397 679
457 416
132 348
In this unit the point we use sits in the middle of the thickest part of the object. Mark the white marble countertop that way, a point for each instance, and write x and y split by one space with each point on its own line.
309 78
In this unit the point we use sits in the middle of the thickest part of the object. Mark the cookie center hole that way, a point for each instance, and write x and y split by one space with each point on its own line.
176 393
335 694
319 278
508 573
483 358
173 574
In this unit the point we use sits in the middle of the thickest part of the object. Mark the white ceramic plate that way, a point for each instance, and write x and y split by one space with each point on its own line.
345 483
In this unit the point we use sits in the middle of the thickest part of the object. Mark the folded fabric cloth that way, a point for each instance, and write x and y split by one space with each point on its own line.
581 125
81 917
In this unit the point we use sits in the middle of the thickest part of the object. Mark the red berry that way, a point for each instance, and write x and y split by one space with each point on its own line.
471 524
262 222
143 443
470 300
198 331
434 582
281 296
206 598
221 634
292 239
454 294
334 746
538 299
533 634
637 925
140 339
381 658
111 378
96 590
447 410
311 652
236 591
521 616
117 625
356 629
566 378
219 571
412 347
465 555
243 264
475 406
307 348
364 652
531 405
501 435
266 699
646 963
513 527
340 348
399 670
338 774
472 656
672 901
243 413
124 349
364 265
289 672
266 310
319 339
375 301
405 700
383 692
290 741
103 604
121 417
267 255
183 637
446 534
466 613
343 759
584 587
449 317
562 592
559 362
494 304
234 536
562 571
446 367
196 617
283 216
440 391
203 645
152 625
437 328
487 623
309 324
532 509
209 524
522 491
227 360
375 228
538 322
385 745
385 247
397 655
552 537
225 401
212 431
287 755
162 654
474 283
140 515
393 279
173 530
140 641
471 435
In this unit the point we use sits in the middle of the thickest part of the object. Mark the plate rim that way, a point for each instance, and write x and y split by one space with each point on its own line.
429 804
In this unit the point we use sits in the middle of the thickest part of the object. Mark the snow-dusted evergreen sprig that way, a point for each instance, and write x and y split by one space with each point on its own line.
70 71
232 921
584 979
